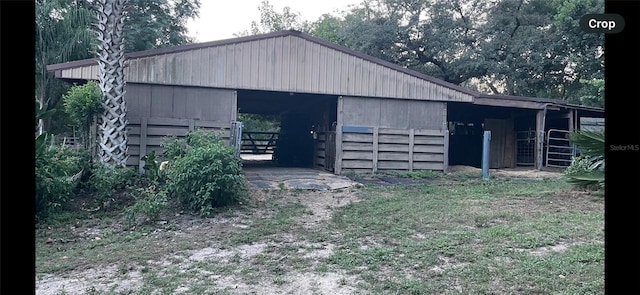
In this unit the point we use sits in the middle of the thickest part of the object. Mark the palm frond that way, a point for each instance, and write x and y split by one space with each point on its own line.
590 178
590 143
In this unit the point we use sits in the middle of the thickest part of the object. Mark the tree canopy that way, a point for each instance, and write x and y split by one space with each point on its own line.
158 23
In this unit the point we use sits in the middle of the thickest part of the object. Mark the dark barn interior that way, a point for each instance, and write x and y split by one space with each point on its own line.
467 123
302 118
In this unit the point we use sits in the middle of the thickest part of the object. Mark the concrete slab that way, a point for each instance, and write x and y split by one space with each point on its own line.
270 177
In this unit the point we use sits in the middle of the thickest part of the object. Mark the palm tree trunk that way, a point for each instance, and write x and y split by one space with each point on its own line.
112 135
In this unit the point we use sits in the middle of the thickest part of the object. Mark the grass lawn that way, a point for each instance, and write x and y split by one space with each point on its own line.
448 236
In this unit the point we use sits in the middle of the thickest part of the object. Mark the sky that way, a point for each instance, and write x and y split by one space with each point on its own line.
219 20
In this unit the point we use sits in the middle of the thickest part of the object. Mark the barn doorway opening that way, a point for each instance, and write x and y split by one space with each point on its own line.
287 129
512 135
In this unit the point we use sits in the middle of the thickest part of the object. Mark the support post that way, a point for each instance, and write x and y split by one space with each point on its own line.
486 140
338 163
540 129
412 136
446 151
143 143
375 149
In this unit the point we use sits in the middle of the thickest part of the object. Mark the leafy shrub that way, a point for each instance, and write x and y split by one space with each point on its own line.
82 103
204 173
150 201
57 173
153 168
105 181
174 148
579 165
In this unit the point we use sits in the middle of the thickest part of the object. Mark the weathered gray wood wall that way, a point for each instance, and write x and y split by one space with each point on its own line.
393 113
155 112
164 101
283 62
389 134
147 134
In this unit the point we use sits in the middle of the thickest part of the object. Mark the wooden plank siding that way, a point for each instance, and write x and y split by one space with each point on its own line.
208 104
394 113
288 63
373 149
147 134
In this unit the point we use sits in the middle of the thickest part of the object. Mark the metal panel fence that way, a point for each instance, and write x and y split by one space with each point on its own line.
525 148
560 151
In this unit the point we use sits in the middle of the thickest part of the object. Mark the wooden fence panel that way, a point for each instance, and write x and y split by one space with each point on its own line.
372 149
147 134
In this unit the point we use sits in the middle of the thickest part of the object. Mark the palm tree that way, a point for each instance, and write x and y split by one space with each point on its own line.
112 135
591 146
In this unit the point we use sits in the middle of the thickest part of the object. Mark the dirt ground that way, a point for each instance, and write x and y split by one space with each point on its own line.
519 172
198 232
109 278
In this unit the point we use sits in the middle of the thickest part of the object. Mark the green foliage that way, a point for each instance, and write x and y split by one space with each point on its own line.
152 168
57 173
158 23
42 112
272 21
57 169
58 22
150 202
589 143
105 181
579 164
592 93
82 103
531 48
150 24
174 148
415 174
204 172
587 170
328 27
255 122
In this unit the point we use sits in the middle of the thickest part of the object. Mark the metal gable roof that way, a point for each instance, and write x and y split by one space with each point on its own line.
291 61
281 61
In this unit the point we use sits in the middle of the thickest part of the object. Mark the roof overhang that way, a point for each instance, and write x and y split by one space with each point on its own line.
534 103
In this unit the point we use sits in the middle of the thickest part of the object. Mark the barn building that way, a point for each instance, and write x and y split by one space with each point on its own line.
366 114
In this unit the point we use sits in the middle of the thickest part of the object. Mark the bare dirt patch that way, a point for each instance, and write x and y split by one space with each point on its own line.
292 283
519 172
81 282
192 245
321 204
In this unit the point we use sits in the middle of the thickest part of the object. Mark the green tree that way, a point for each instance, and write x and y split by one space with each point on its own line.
151 24
328 27
515 47
158 23
57 22
82 103
592 93
273 21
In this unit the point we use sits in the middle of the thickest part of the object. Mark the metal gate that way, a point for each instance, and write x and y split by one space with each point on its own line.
235 138
525 148
560 151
